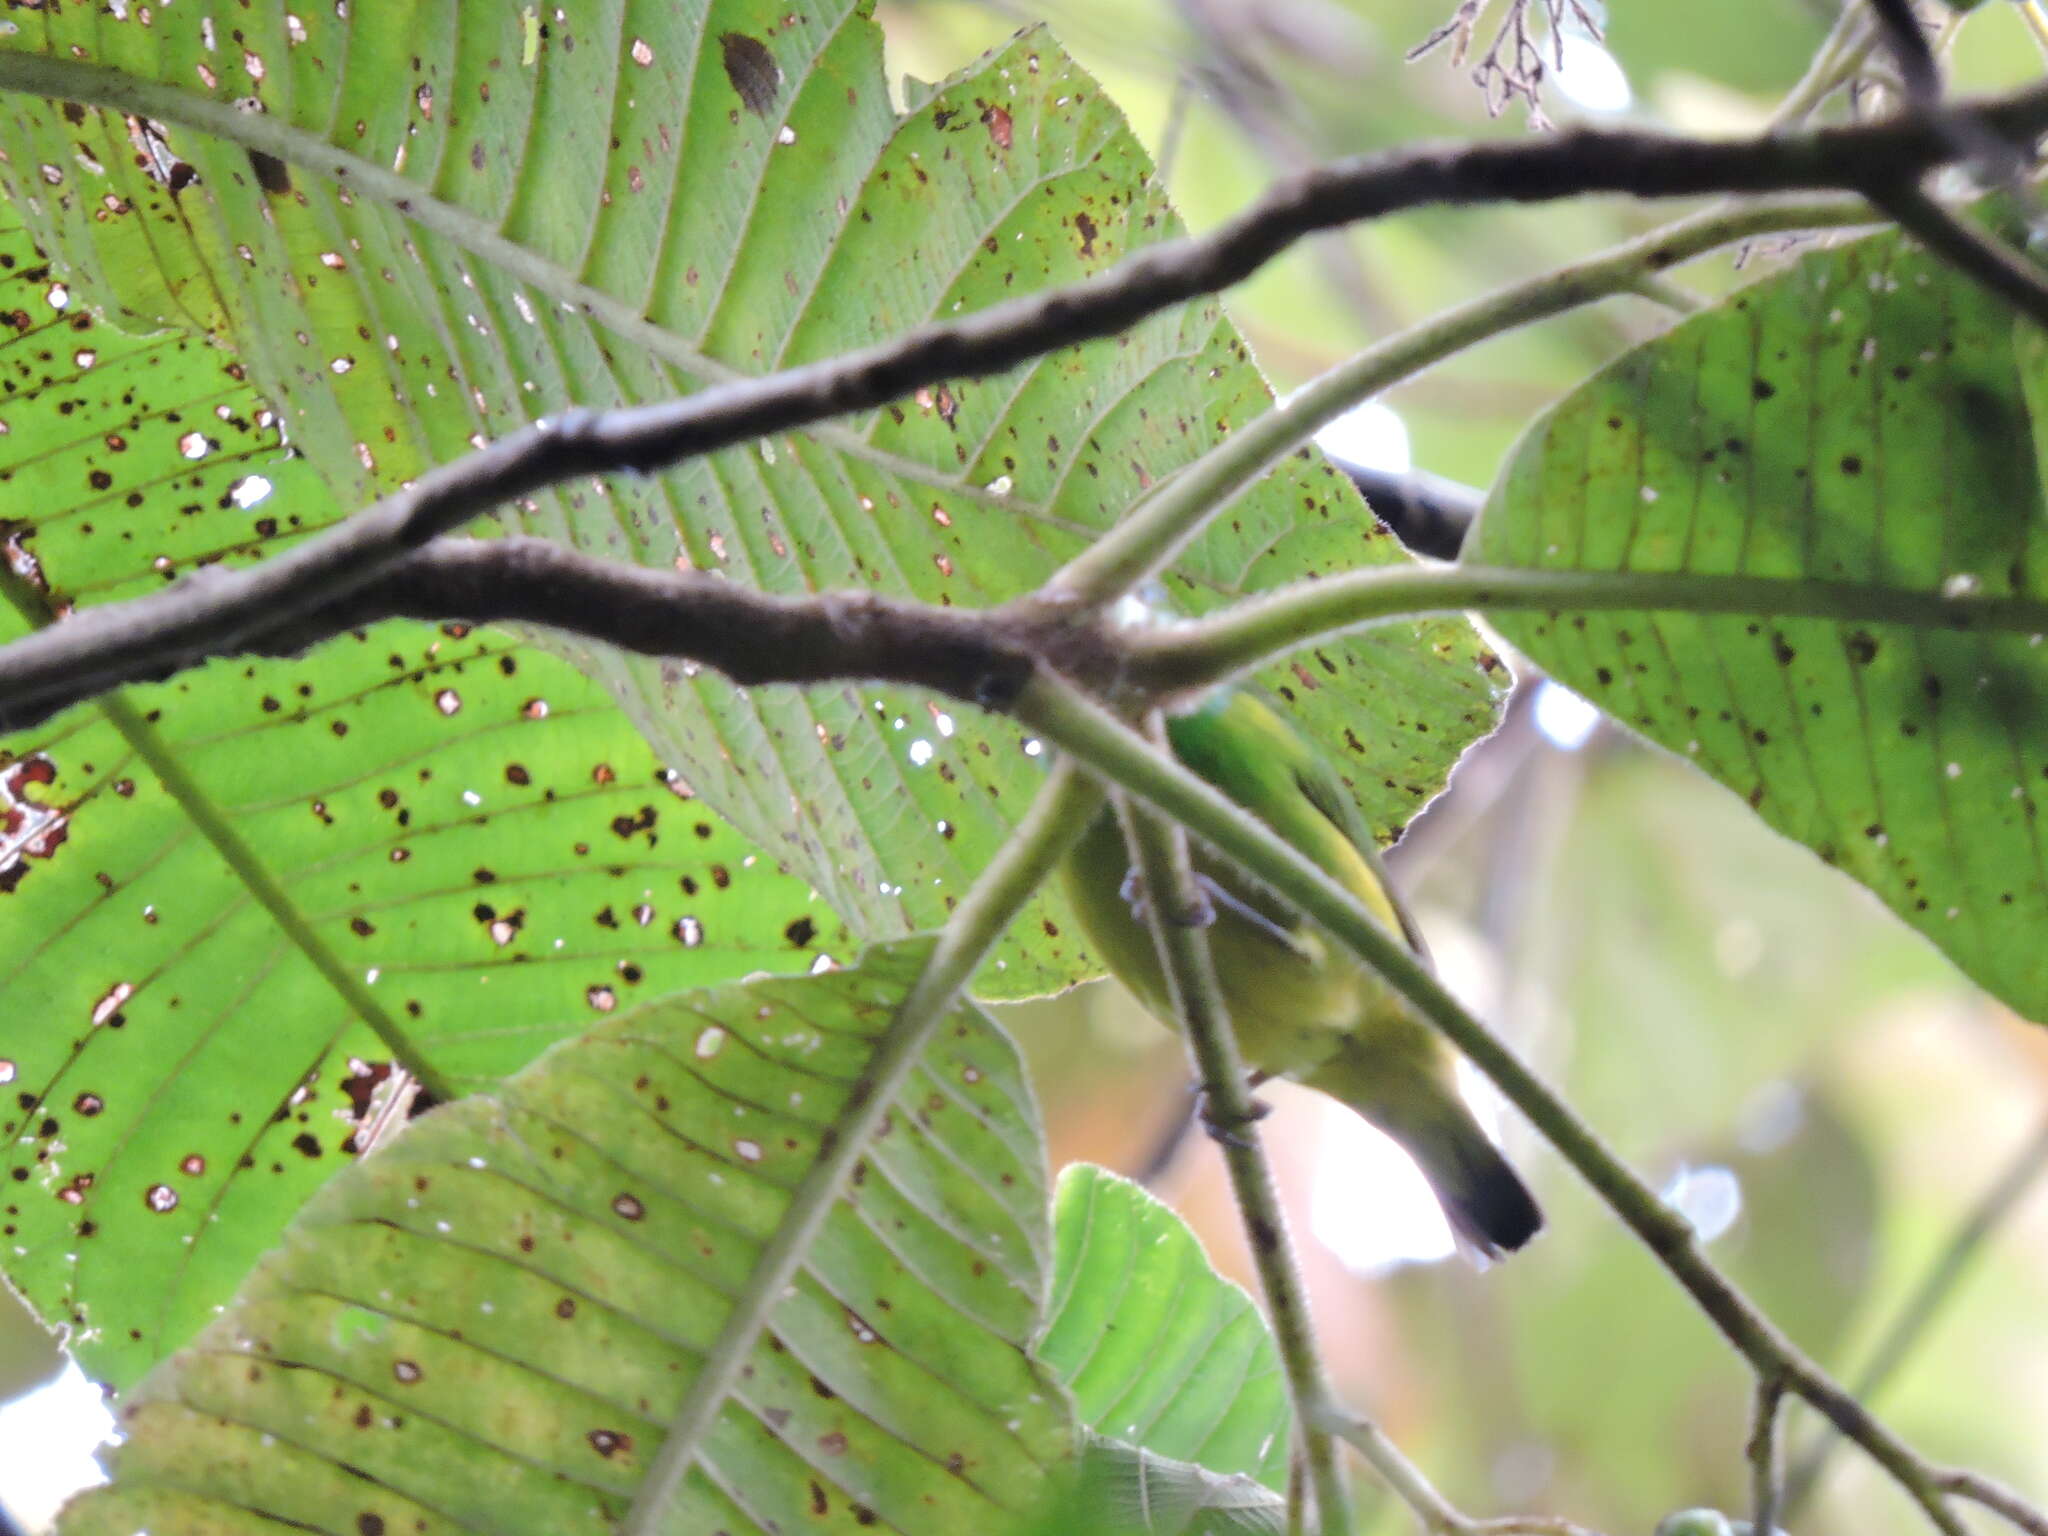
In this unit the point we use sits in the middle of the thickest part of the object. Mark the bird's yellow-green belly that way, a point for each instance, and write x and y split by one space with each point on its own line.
1290 1007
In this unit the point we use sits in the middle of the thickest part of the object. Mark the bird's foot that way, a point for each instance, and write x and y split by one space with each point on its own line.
1228 1129
1200 913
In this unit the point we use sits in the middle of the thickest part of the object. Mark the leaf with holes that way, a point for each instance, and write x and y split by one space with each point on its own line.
1159 1351
221 899
420 234
487 1325
1861 417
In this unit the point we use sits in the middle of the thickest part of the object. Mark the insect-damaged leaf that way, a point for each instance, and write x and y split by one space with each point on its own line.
465 826
1861 417
487 1325
635 203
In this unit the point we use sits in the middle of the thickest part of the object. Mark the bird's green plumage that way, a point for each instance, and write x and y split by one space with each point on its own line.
1303 1007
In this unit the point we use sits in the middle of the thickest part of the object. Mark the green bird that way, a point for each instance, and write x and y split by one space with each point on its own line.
1303 1006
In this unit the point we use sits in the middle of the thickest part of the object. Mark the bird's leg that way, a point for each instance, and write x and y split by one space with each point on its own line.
1200 914
1245 912
1228 1130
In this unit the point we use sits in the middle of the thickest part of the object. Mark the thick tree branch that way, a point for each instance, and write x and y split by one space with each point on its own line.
216 611
171 628
983 657
752 636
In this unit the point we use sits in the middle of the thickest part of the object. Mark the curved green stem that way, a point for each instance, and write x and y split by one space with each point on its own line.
1159 850
1207 651
1150 537
1082 729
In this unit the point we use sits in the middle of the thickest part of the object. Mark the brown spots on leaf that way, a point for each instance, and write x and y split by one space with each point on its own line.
272 174
628 1206
406 1372
751 71
610 1442
1086 227
29 828
628 826
801 932
1000 129
106 1010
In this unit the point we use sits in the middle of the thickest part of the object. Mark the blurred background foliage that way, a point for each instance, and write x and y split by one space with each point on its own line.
1808 1079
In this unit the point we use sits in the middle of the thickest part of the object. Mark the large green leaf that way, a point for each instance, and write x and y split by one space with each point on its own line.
1125 1490
635 200
203 890
486 1325
1159 1351
1861 417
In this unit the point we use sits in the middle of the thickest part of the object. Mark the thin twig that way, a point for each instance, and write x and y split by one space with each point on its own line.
1070 721
1676 297
1997 1498
1055 819
1438 1515
1149 537
2001 1197
1910 50
1840 54
1160 853
1763 1455
1970 251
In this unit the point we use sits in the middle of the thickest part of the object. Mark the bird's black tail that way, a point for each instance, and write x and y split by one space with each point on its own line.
1485 1200
1489 1206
